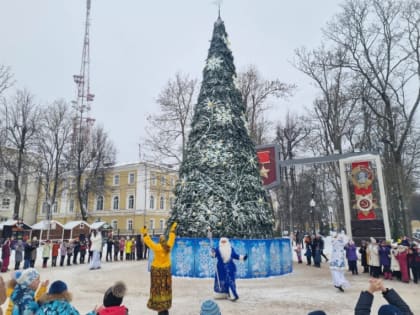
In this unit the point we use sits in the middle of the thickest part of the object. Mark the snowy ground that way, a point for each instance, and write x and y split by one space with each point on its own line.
307 288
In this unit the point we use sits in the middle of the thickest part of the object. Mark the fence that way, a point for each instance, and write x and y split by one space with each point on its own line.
191 257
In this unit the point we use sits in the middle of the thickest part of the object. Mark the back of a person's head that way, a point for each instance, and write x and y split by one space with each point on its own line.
210 307
389 309
317 313
115 294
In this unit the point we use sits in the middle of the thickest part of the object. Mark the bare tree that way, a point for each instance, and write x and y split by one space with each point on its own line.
91 154
256 93
52 145
20 117
290 136
382 38
167 131
6 78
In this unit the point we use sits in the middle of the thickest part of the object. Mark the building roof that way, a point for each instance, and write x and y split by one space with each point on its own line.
42 225
8 222
71 224
97 225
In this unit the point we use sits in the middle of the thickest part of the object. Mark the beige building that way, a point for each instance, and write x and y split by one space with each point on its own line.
29 194
137 194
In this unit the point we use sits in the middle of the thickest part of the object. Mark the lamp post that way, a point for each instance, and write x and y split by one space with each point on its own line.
330 211
312 205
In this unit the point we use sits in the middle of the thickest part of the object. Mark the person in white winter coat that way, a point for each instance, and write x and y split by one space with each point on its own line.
395 265
96 248
374 263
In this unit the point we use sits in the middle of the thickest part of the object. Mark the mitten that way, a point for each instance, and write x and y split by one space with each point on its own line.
173 227
143 230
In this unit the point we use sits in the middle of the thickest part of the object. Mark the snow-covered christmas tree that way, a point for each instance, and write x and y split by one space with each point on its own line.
219 183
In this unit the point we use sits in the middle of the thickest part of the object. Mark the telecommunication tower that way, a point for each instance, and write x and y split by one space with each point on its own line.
84 97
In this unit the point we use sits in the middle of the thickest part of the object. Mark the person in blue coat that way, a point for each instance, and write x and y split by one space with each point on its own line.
56 301
396 305
224 280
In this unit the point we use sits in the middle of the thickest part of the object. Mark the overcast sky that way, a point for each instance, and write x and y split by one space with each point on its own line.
137 46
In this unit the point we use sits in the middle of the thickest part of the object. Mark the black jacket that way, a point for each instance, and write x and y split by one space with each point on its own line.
365 302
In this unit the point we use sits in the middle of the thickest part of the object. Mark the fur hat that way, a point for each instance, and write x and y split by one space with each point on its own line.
209 307
57 287
372 240
114 295
27 276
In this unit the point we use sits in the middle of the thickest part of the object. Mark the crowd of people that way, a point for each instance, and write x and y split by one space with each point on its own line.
29 296
399 260
382 260
79 250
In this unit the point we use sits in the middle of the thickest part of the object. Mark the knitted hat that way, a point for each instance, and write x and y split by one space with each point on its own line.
389 310
57 287
27 276
16 274
209 307
114 295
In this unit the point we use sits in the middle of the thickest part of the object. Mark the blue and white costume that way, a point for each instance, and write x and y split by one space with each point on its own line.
224 279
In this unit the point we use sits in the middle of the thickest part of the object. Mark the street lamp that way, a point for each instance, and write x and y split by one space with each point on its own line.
330 211
312 204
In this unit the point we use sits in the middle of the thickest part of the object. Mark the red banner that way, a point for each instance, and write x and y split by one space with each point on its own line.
267 159
362 178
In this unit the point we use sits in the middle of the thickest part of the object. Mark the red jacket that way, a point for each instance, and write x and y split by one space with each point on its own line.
55 249
114 310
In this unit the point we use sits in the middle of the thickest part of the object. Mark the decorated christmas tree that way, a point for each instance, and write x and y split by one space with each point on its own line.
219 184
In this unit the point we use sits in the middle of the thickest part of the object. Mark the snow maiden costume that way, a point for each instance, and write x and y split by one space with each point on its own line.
226 269
160 298
337 262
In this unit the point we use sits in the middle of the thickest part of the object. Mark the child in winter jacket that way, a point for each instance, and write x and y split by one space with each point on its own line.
57 301
23 294
11 284
112 301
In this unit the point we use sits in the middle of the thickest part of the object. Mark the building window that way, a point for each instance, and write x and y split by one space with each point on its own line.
114 224
130 225
100 203
100 181
54 207
153 179
5 203
131 202
44 207
162 180
151 224
172 181
115 203
116 179
152 202
8 184
161 225
71 206
171 202
131 178
162 203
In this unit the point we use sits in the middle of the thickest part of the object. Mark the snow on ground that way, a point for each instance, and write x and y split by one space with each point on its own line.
306 289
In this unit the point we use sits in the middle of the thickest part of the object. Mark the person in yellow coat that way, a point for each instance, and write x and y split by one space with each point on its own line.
11 286
160 298
128 244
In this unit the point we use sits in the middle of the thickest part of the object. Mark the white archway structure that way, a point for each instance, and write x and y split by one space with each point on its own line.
345 160
346 194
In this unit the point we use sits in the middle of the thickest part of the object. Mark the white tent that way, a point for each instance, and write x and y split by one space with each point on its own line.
72 224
